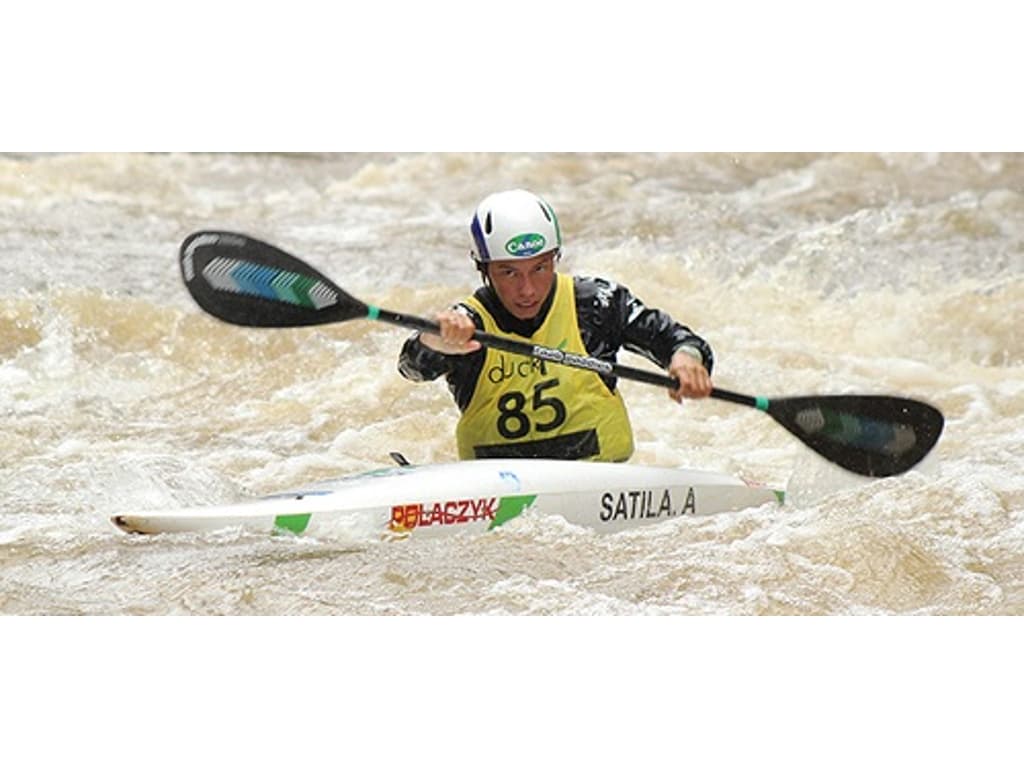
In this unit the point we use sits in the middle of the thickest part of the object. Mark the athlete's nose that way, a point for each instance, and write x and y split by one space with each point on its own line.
528 286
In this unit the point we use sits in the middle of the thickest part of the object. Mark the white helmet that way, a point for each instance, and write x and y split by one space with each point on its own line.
513 225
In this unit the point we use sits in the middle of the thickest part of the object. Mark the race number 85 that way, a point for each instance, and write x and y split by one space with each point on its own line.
513 421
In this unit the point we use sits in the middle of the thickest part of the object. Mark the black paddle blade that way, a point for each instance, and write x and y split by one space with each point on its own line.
871 435
244 281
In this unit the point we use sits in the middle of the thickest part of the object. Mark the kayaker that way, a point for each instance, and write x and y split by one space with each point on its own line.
514 406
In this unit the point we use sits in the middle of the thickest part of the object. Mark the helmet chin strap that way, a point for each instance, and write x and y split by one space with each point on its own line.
484 277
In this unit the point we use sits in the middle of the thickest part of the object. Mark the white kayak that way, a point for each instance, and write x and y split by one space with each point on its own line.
440 499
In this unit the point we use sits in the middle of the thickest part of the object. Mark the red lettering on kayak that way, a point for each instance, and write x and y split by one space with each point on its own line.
405 517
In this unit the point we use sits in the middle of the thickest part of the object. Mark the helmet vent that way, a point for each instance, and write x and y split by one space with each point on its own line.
488 227
545 212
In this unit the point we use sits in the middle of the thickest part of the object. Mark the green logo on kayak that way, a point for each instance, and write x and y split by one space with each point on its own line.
293 523
510 507
529 244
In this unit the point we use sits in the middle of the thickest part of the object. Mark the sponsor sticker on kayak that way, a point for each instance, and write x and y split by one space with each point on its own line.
405 517
495 510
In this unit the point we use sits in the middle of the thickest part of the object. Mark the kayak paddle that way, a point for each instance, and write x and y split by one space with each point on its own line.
244 281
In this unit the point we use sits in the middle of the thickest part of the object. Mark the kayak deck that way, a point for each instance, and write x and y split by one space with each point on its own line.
439 499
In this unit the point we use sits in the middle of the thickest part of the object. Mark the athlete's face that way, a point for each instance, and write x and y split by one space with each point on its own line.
522 286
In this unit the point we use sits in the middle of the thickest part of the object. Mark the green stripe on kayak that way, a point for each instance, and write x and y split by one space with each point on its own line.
510 507
293 523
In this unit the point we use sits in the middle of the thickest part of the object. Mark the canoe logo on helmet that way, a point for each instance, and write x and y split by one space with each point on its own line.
529 244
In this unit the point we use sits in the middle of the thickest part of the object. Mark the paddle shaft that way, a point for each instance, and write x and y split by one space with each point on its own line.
556 356
875 436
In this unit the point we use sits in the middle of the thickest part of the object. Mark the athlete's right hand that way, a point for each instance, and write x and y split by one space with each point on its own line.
456 337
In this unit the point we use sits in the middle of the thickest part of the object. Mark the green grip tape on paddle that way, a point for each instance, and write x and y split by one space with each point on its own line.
761 403
373 312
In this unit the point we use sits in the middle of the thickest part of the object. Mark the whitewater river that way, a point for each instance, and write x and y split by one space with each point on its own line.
896 274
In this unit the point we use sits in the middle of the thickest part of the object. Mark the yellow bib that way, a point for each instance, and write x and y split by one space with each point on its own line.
531 408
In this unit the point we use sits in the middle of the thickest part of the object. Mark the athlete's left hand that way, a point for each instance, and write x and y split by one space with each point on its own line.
694 379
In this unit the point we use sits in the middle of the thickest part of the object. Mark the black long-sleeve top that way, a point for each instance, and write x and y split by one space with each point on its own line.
610 318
